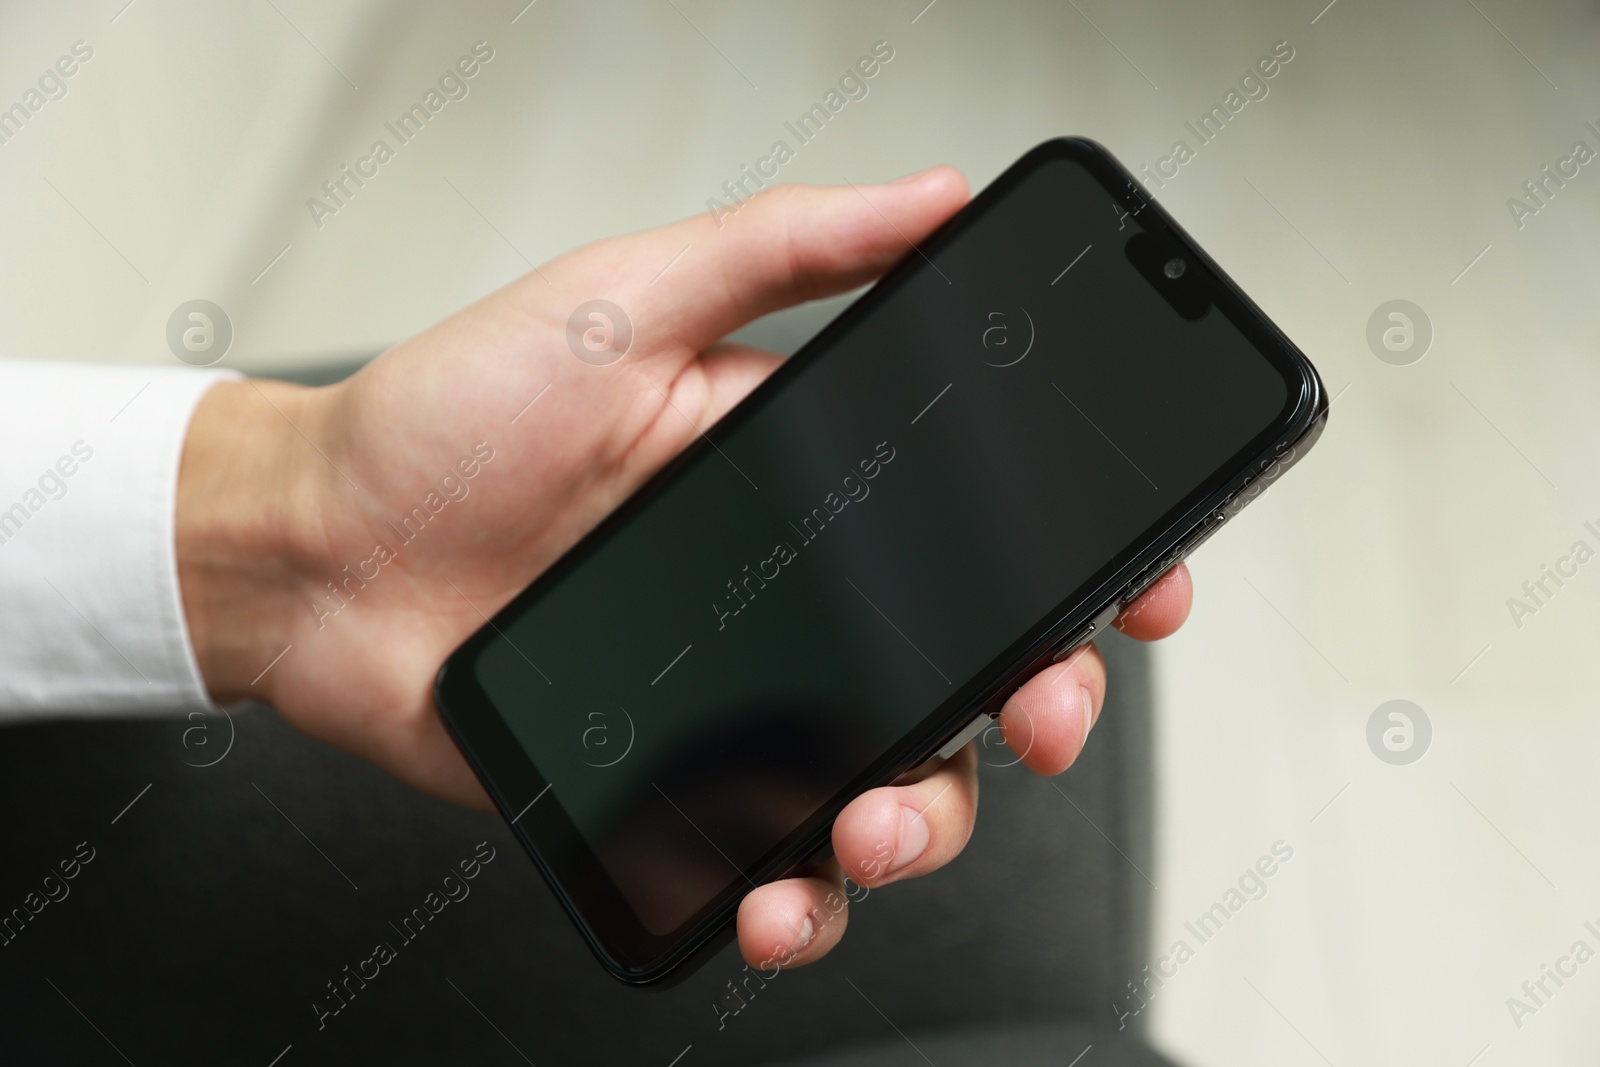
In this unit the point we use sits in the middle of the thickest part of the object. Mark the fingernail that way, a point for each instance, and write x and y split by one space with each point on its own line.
909 178
807 932
1088 711
913 838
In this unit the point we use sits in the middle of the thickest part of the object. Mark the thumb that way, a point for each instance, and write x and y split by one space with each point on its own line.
695 281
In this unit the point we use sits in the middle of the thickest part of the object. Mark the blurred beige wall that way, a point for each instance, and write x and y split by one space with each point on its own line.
1379 166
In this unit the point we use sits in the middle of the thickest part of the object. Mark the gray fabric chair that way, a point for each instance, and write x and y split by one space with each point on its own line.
1017 1045
218 906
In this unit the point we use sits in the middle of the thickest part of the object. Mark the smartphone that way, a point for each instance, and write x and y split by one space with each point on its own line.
963 478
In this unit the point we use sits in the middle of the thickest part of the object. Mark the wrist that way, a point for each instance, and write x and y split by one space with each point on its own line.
246 529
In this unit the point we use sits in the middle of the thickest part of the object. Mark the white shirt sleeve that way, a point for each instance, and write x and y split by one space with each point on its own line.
92 621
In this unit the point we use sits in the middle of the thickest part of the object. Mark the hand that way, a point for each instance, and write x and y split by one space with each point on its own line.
285 493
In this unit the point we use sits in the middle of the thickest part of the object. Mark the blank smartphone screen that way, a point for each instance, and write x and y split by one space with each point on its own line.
868 538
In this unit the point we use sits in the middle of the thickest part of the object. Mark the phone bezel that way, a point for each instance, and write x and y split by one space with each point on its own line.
624 947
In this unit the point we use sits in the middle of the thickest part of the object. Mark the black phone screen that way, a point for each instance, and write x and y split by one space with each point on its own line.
869 534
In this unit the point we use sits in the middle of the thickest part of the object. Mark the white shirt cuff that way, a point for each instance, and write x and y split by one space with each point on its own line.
93 620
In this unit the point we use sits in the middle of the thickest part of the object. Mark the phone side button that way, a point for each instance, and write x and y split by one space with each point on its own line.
1214 522
970 731
1145 580
1076 641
